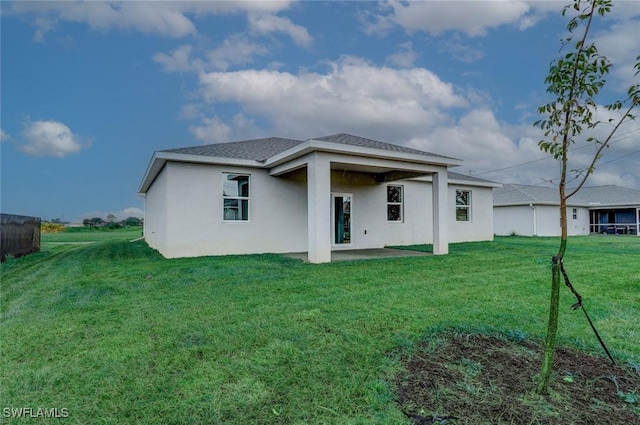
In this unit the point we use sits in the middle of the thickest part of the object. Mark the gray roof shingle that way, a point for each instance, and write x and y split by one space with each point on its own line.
609 195
256 149
348 139
515 194
262 149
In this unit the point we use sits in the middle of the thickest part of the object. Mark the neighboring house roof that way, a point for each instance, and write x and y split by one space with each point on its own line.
591 197
271 152
514 194
609 195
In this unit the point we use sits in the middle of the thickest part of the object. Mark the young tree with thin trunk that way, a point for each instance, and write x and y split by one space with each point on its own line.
575 79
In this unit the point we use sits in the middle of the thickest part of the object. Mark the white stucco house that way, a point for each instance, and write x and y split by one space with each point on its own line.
534 211
276 195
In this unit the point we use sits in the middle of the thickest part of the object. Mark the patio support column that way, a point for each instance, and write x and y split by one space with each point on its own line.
440 213
319 208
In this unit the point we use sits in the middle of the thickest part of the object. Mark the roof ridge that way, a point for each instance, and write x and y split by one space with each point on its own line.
351 139
234 142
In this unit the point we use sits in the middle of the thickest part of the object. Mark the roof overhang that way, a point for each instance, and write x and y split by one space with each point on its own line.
614 206
464 182
589 206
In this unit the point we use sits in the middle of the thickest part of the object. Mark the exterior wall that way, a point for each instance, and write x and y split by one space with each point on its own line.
480 227
539 220
184 212
515 219
155 213
547 220
194 207
580 225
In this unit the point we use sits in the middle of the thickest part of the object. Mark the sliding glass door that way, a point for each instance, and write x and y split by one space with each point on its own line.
341 204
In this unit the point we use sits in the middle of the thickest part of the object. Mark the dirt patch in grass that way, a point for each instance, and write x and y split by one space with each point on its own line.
481 379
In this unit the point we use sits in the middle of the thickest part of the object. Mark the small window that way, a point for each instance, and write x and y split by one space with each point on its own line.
463 205
575 213
394 203
235 194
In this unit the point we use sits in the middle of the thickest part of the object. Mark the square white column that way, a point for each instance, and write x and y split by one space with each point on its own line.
319 208
440 213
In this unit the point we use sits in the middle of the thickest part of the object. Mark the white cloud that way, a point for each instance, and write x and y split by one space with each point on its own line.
214 130
353 95
510 153
49 138
412 107
43 25
4 136
269 23
235 50
405 57
436 17
163 18
190 111
211 130
179 60
620 45
460 51
170 19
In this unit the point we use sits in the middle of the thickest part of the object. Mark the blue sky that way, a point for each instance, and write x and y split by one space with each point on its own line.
91 89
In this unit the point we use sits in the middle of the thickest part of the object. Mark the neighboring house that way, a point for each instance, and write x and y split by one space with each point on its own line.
329 193
534 211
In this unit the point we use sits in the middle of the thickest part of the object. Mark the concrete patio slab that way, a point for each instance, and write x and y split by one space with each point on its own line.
363 254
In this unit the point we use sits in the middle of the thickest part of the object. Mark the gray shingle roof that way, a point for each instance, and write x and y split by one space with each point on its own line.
348 139
609 195
262 149
521 194
515 194
256 149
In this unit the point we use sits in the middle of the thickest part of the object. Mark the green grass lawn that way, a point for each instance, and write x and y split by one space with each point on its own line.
80 234
116 334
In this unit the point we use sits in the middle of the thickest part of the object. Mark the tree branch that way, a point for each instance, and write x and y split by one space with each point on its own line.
600 149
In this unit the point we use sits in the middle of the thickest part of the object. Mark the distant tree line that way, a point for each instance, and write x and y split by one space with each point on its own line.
111 223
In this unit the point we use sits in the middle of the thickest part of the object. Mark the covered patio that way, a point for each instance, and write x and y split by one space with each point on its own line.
321 158
615 221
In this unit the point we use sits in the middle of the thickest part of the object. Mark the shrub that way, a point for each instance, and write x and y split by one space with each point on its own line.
51 227
112 225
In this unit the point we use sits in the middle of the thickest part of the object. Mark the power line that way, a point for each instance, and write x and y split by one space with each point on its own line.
619 158
576 177
618 140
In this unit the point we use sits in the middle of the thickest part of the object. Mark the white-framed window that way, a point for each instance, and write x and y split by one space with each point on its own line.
463 205
235 197
574 213
395 203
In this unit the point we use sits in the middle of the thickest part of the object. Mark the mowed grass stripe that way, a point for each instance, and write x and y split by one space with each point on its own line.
117 334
